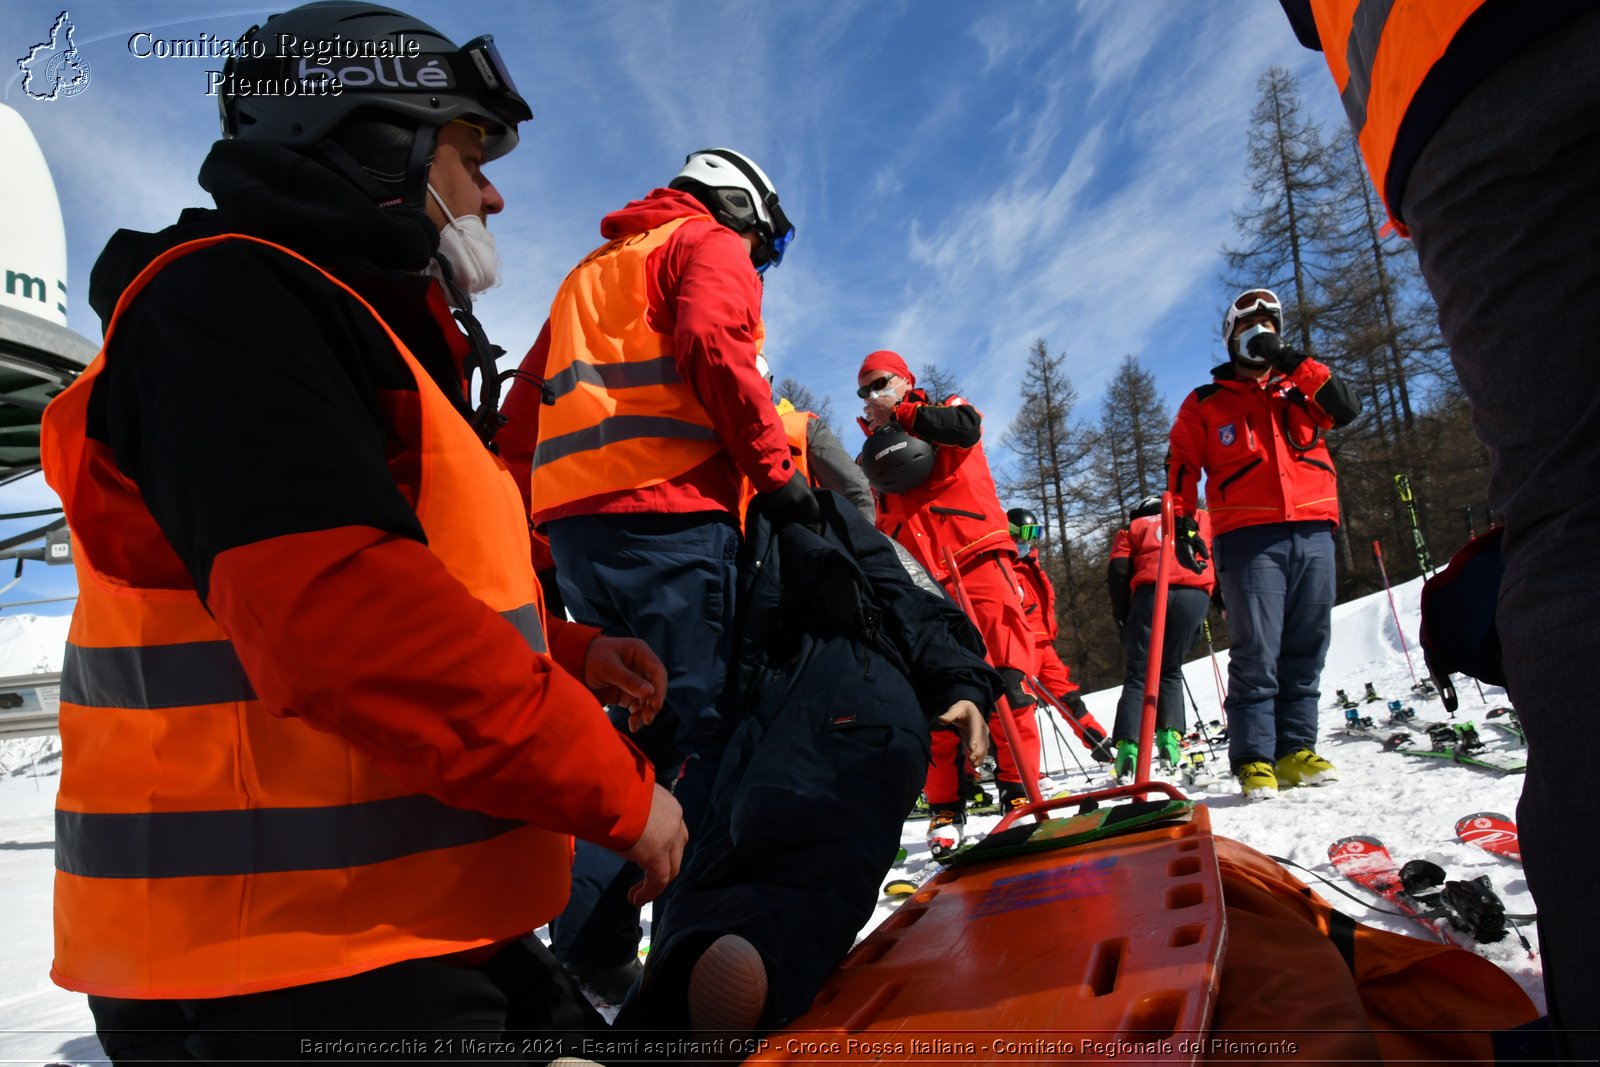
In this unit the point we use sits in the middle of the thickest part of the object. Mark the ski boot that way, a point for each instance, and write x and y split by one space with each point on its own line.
1257 780
1012 796
1344 699
1372 696
1126 762
945 832
1169 748
1354 721
1305 767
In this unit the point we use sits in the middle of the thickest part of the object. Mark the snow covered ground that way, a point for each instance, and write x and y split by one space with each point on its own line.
1411 804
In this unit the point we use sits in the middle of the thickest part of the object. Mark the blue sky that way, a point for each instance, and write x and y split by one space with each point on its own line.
964 177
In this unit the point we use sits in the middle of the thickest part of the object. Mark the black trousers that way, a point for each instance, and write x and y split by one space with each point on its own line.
519 1007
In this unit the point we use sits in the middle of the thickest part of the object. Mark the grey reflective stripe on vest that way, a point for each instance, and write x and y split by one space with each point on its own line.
190 844
660 371
619 428
1361 50
149 677
529 625
154 676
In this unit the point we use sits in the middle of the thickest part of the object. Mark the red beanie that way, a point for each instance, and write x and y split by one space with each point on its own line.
885 360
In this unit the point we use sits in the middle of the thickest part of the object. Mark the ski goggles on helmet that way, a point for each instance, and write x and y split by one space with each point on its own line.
877 385
1031 531
770 253
1251 302
480 70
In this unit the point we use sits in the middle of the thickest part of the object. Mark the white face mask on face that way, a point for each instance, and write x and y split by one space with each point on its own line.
469 246
1241 344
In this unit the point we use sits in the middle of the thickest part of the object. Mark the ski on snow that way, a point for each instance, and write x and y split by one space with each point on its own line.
1492 832
1457 912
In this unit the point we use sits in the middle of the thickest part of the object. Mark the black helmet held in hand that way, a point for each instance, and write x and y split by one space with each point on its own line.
894 461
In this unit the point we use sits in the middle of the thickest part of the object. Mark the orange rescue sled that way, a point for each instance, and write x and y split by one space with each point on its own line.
1078 952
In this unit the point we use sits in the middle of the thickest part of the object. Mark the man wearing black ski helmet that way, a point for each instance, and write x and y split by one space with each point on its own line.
324 769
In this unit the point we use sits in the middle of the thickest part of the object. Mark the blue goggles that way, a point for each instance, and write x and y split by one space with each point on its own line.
771 254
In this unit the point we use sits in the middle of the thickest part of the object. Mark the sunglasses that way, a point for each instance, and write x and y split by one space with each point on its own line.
1030 532
877 385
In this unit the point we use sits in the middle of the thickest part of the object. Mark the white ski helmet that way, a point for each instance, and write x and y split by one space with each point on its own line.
741 197
1248 303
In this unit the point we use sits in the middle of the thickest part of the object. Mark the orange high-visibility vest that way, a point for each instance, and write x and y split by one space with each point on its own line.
796 423
1379 52
622 417
208 847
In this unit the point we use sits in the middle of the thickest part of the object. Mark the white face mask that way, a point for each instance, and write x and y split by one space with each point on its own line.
1242 342
469 246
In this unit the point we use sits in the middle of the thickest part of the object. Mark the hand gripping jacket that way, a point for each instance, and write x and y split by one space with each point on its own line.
622 418
1379 54
207 847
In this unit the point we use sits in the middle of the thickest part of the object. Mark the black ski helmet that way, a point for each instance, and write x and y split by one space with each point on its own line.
398 80
894 461
1150 505
1022 521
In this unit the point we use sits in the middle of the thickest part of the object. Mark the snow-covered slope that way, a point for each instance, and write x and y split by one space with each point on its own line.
1411 804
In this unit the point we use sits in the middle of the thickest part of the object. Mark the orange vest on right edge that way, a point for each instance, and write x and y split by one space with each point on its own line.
1379 52
207 847
622 418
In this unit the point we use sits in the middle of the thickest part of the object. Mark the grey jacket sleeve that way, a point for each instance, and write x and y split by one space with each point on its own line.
833 468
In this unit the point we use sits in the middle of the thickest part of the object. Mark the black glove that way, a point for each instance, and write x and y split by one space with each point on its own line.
1270 347
1019 697
793 502
1189 546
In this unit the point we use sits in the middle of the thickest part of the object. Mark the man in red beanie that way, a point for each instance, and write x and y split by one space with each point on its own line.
955 510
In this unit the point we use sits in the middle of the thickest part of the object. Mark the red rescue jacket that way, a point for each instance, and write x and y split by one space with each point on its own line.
956 508
1140 543
1260 445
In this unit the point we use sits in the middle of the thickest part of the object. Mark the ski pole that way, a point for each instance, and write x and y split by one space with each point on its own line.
1049 700
1402 485
1216 672
1024 759
1377 554
1200 720
1158 627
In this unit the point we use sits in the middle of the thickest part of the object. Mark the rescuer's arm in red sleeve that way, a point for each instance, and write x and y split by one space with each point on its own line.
954 422
1332 404
1186 455
520 434
715 296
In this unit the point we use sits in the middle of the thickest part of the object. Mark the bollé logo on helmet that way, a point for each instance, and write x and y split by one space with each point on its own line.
897 446
397 72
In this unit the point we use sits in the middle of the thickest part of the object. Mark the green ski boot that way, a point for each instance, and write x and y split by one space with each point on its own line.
1169 748
1127 759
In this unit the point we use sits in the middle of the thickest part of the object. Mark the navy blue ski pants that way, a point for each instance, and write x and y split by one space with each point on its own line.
1186 610
1278 583
669 581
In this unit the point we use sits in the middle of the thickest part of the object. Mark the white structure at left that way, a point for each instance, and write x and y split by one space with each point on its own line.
39 357
33 239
